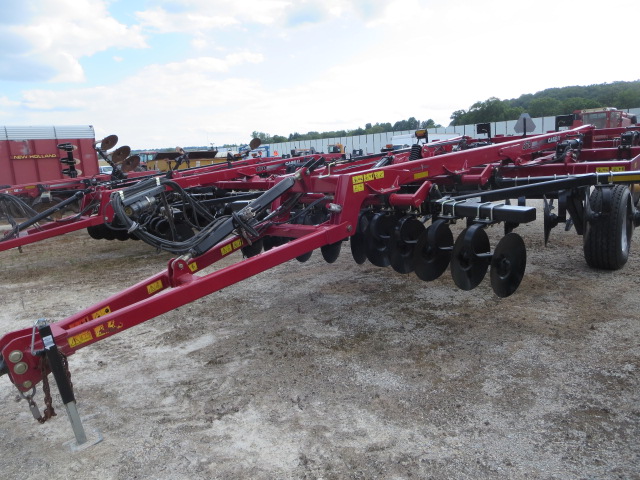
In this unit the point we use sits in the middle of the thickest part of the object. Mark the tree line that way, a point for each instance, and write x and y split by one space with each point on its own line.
410 124
546 103
551 102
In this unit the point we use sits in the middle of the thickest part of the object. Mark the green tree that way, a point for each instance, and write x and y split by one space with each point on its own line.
429 124
261 135
491 110
579 103
629 98
549 102
457 116
544 107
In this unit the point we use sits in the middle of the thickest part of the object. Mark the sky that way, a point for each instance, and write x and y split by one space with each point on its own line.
161 73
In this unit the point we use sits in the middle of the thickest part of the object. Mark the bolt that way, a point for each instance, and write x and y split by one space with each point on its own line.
21 368
349 228
27 384
15 356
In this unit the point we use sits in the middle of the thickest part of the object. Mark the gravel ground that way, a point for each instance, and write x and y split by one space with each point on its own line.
321 371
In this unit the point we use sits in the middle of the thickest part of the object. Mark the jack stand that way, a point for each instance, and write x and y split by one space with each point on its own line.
66 392
82 440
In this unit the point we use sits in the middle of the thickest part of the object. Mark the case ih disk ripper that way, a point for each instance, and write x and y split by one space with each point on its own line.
273 211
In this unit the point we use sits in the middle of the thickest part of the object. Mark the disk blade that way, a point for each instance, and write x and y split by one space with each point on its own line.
331 252
508 264
403 242
108 142
377 240
433 251
252 250
119 154
304 257
131 163
470 257
357 242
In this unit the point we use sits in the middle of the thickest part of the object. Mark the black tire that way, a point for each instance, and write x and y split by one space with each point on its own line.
607 239
635 193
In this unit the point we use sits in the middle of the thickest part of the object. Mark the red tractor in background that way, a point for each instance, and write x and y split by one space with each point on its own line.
603 117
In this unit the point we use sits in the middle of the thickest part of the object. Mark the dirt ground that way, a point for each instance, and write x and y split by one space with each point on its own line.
332 371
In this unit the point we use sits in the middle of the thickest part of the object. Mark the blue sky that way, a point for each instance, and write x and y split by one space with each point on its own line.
162 73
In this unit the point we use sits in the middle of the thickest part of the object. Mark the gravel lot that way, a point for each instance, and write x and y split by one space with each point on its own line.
337 371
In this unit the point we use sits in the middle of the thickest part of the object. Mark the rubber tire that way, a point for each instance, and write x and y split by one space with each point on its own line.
607 240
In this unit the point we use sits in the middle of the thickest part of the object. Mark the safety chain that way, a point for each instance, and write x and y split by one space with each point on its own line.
46 389
48 401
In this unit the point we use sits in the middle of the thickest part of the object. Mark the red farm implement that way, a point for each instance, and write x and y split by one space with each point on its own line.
89 198
41 201
30 155
394 209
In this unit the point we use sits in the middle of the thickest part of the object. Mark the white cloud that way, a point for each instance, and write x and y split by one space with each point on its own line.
201 65
161 21
55 34
201 15
178 103
421 58
7 102
198 16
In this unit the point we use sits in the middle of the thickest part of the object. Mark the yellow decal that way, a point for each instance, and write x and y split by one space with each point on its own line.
419 175
88 318
79 339
154 287
107 328
102 312
227 249
358 180
609 169
193 266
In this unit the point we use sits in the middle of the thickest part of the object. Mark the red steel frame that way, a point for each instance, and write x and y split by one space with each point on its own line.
243 174
250 174
181 283
100 194
349 189
346 190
